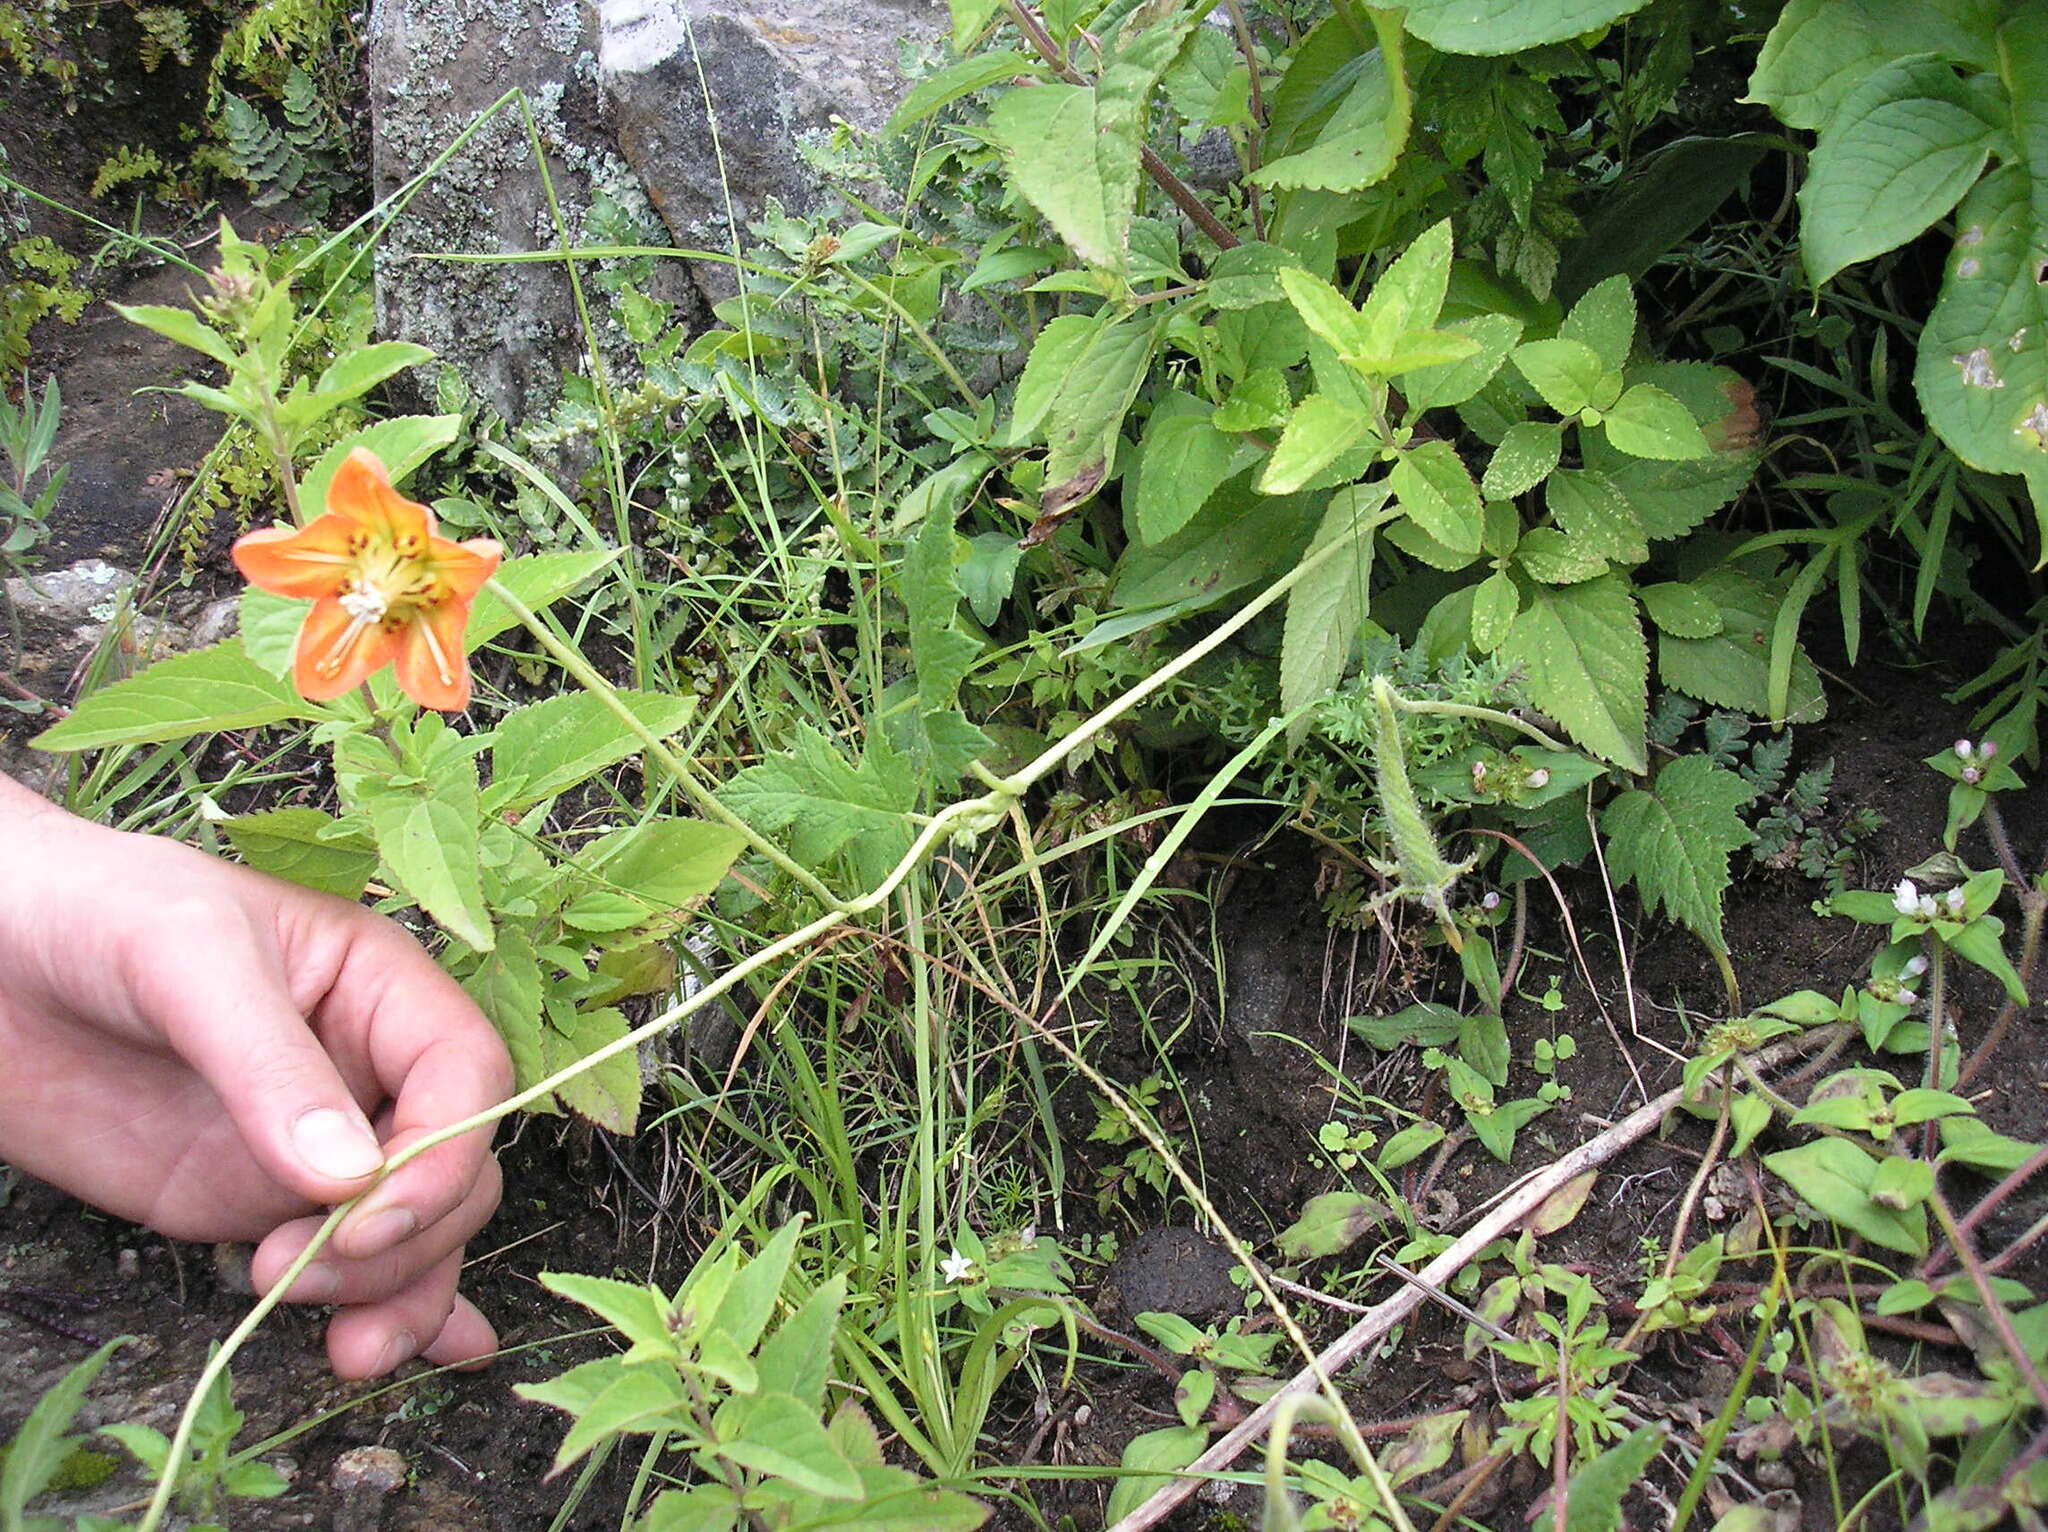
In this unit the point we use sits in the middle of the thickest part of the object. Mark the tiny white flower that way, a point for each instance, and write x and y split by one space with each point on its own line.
956 1267
1963 748
1909 997
1916 965
1954 900
1490 901
1906 898
1928 908
1987 750
1540 777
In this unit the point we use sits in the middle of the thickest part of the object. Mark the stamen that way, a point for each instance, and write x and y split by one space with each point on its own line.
434 648
330 662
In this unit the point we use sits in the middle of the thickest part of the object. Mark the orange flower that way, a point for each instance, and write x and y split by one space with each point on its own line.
384 587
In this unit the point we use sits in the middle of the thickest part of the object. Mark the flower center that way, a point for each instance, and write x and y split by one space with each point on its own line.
364 601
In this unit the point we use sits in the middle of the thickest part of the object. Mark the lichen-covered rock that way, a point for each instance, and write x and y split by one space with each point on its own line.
625 96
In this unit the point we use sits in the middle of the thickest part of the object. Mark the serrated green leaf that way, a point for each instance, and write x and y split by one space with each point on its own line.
427 836
1567 373
1647 422
831 806
1431 483
608 1093
559 743
1495 604
1329 1223
1248 275
401 444
1083 428
536 580
1450 383
1363 137
1594 1501
1680 610
779 1435
941 89
39 1448
362 368
1587 666
1900 152
1671 498
665 864
287 843
1546 554
180 325
1320 431
1184 459
1526 456
1595 515
203 692
1673 840
1604 321
1327 604
1409 295
506 987
1821 50
1732 669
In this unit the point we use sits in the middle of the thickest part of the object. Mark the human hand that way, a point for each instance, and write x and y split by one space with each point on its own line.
203 1049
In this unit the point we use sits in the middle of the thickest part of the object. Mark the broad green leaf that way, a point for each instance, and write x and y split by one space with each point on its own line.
1183 460
797 1358
665 864
1673 839
1647 422
1495 604
779 1435
1260 403
608 1093
1982 370
1671 498
427 835
1594 1501
1680 610
943 742
401 443
1237 540
1526 456
637 1400
1328 313
506 987
1604 321
1732 668
1150 1461
203 692
1431 483
1329 1223
969 18
180 325
1546 554
1060 347
1327 605
941 89
287 843
1567 373
1898 154
1587 666
1821 50
1248 275
536 580
361 368
1409 295
1509 26
1595 515
638 1312
1084 426
1834 1177
1454 382
566 740
39 1448
1319 432
749 1300
829 804
1363 138
269 628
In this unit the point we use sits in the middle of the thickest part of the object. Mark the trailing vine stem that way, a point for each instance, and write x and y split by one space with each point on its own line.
968 815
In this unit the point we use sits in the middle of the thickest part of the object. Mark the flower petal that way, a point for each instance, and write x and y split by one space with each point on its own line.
433 670
465 566
336 653
304 561
361 491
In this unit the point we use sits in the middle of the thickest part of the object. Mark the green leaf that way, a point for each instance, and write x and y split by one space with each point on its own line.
1900 152
425 824
559 743
506 987
361 368
1670 498
779 1435
1508 26
636 1400
40 1447
1595 515
1821 50
1834 1177
1665 196
941 89
1604 321
1060 347
1409 296
1248 275
1362 139
1328 314
1546 554
180 325
1567 373
1673 839
1150 1461
401 443
287 843
828 804
608 1093
797 1358
1084 425
1587 665
638 1312
1327 605
1329 1223
1320 431
1431 483
1680 610
1449 383
1593 1502
536 580
664 864
1982 368
1495 603
269 629
1647 422
203 692
1526 456
1732 669
1183 461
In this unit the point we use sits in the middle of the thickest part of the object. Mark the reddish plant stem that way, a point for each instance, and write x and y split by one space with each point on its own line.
1959 1240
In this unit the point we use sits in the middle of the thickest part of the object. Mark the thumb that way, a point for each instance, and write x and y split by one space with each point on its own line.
220 999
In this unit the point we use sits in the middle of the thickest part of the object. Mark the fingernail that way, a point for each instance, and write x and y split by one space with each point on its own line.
318 1283
336 1145
380 1231
397 1349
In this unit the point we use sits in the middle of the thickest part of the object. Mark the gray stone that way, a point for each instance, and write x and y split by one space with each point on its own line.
363 1478
618 90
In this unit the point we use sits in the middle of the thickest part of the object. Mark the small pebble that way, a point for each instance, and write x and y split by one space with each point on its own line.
128 1264
231 1268
362 1478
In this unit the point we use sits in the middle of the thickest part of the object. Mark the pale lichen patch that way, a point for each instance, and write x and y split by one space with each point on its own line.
1977 369
2034 425
1969 266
